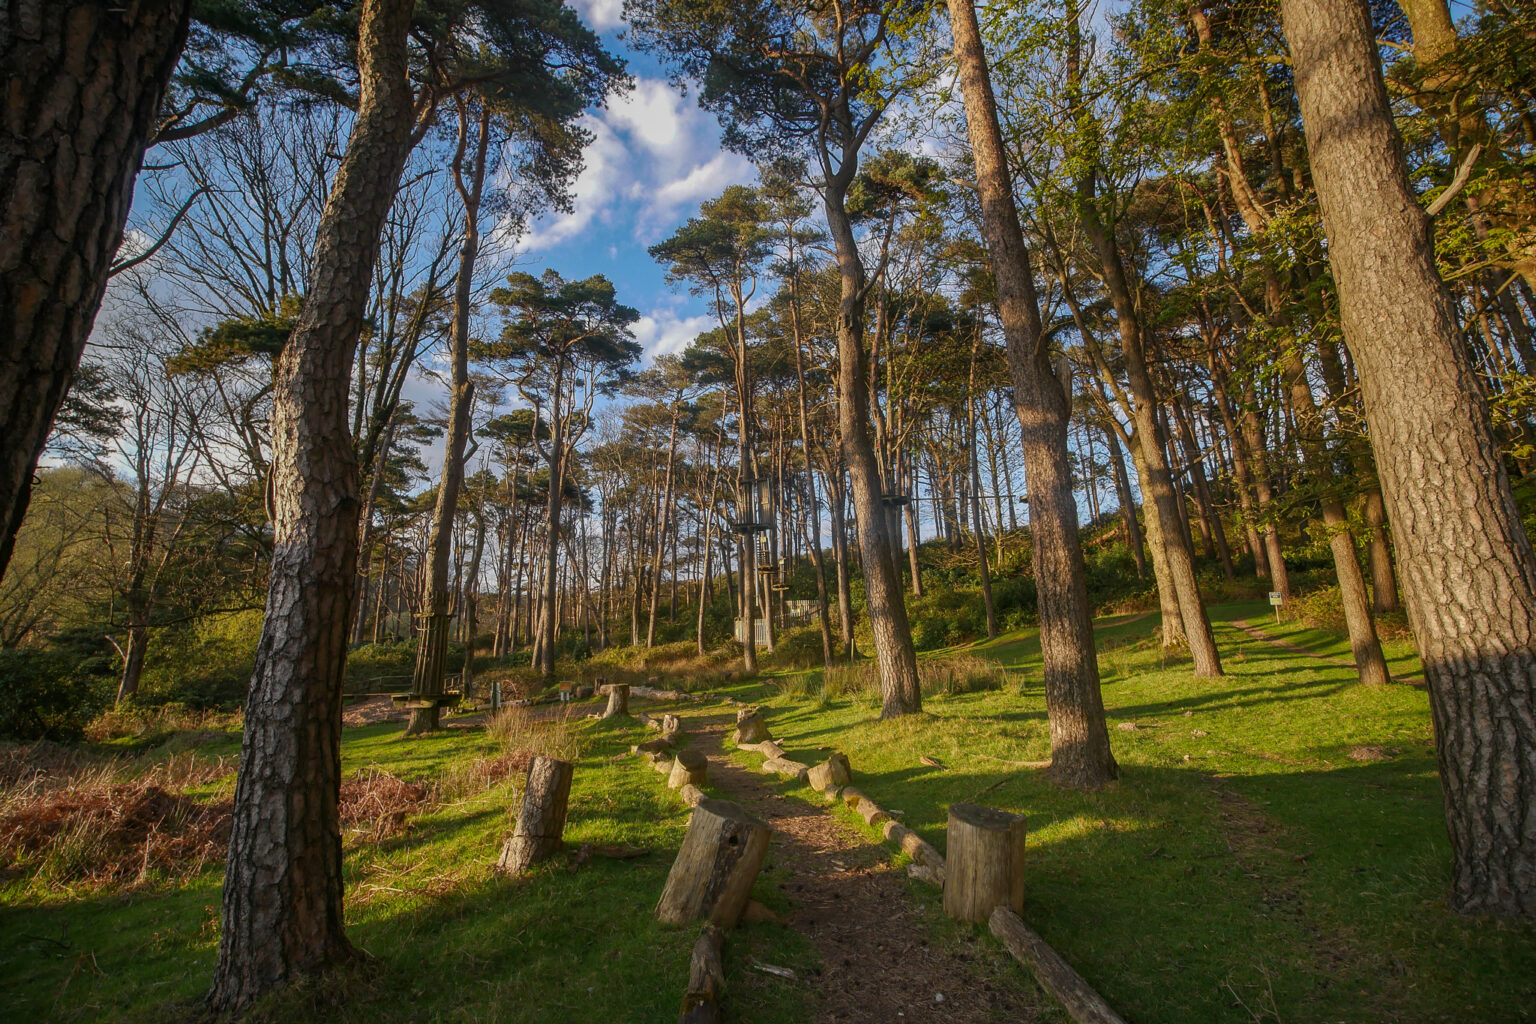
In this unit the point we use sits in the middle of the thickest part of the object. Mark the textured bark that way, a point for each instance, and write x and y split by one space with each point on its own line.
706 980
984 868
540 817
83 83
885 598
1369 661
1080 753
435 599
1157 483
716 865
1468 570
283 887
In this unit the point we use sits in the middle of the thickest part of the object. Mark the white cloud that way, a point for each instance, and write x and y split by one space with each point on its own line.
662 332
653 153
600 14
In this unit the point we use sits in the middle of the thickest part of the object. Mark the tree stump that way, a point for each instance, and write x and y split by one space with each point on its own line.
712 876
583 692
618 700
985 866
750 727
706 980
831 773
690 767
541 819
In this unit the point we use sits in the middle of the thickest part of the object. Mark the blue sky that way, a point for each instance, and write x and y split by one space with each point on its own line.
654 157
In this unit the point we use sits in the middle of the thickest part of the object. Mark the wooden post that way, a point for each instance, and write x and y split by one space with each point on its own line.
712 876
1056 976
750 727
691 767
541 819
706 979
618 700
984 868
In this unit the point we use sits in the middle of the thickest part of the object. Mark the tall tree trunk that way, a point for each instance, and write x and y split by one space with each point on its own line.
1127 502
884 596
436 598
1208 513
83 83
840 555
661 528
1080 753
1468 570
282 885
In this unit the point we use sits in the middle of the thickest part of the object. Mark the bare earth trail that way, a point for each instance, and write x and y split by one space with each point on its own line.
877 962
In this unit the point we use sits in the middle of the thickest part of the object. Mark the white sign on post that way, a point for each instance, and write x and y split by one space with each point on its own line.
1276 600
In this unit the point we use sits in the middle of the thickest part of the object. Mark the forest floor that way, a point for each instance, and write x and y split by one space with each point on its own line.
1274 850
878 958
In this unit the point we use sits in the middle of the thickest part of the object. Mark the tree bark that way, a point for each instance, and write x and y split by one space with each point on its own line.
540 817
83 82
984 866
1080 753
282 911
436 599
716 865
885 598
1468 570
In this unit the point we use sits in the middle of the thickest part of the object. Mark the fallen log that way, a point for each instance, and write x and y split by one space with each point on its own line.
691 795
651 693
985 866
716 865
786 767
655 745
541 818
1055 975
706 979
913 845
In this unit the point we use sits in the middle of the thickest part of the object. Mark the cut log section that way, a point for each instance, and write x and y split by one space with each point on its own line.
712 876
830 774
706 980
1056 976
691 795
750 728
785 767
690 768
541 819
913 845
663 765
618 700
985 867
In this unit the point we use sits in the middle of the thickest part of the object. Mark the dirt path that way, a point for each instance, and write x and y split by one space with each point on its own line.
878 965
1247 626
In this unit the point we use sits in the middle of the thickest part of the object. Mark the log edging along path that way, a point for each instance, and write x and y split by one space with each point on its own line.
833 781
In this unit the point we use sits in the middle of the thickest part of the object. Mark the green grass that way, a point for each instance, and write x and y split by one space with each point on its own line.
1255 871
1252 872
450 939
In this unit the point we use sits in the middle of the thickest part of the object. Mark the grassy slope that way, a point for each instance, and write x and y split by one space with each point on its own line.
1253 872
453 941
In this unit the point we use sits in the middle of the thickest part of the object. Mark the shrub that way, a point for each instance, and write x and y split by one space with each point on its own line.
51 693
